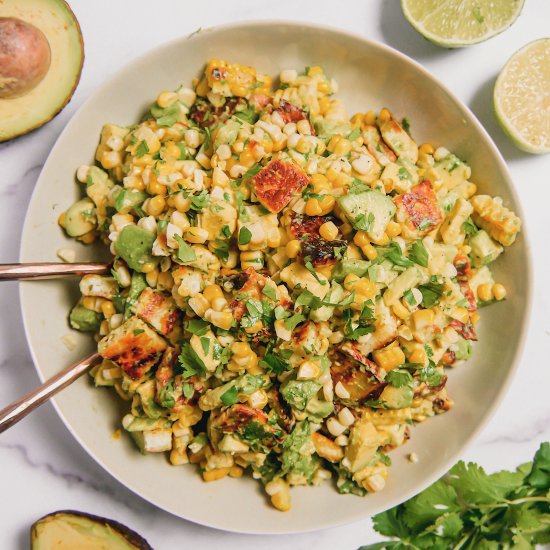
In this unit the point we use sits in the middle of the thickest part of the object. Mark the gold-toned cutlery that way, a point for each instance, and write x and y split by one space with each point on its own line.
20 408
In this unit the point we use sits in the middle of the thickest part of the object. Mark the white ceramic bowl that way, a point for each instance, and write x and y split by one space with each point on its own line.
370 76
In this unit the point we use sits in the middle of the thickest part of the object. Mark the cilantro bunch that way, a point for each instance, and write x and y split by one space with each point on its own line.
469 509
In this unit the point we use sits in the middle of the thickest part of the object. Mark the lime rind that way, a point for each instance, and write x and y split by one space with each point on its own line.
471 13
536 99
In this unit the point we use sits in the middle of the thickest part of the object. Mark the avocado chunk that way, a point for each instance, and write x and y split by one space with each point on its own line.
98 186
84 319
397 398
345 267
484 249
68 529
370 209
80 218
463 349
127 200
411 277
35 32
364 440
134 246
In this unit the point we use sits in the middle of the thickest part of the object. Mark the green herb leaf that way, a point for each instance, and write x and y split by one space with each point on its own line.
185 252
293 321
309 266
364 223
399 378
191 363
431 292
245 235
205 344
469 228
419 254
395 256
270 292
230 397
354 134
197 326
188 390
142 149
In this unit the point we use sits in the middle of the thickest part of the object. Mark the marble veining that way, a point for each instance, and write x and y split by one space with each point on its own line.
42 468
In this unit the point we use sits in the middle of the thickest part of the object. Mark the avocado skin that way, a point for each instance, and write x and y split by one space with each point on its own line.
134 540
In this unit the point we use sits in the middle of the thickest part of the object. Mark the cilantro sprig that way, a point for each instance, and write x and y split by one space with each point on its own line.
470 509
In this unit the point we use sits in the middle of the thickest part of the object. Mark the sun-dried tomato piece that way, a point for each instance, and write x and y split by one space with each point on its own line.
421 206
466 330
293 113
301 225
277 182
320 252
205 114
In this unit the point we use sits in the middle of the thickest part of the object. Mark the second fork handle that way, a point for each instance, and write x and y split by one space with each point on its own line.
49 270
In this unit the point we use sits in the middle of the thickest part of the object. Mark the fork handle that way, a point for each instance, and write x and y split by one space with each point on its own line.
13 413
49 270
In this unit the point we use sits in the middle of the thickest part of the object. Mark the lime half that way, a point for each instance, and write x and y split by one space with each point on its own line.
522 97
457 23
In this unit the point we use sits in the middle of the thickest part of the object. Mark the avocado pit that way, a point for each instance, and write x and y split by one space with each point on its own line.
24 57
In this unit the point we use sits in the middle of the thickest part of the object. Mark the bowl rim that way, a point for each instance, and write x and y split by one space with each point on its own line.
528 270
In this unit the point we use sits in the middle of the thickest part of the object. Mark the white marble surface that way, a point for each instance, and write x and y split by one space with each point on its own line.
43 469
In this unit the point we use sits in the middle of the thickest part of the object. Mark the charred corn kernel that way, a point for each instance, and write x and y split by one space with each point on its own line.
89 302
196 235
199 304
148 267
320 183
499 291
427 149
500 222
361 238
384 115
108 309
241 349
307 370
313 207
328 231
418 356
214 475
422 318
367 288
211 292
293 248
350 281
485 292
256 327
165 99
460 314
389 357
236 471
369 118
280 494
369 251
222 319
88 238
393 229
156 205
399 310
165 281
156 188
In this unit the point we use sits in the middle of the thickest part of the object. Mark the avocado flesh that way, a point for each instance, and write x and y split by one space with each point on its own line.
70 530
57 22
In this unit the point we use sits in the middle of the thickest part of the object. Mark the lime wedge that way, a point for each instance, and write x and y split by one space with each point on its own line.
522 97
457 23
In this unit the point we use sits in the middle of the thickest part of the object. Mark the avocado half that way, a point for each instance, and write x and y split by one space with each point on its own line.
70 530
41 58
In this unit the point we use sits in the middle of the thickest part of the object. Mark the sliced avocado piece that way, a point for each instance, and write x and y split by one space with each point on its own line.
84 319
484 249
324 313
128 199
69 529
318 409
326 128
227 133
34 32
146 392
363 443
134 245
80 218
98 186
345 267
397 398
411 277
463 350
370 209
451 171
298 393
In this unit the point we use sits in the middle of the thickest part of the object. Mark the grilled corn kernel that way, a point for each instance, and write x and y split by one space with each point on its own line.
214 475
422 318
384 115
256 327
367 288
389 357
499 291
418 356
196 235
165 99
293 248
361 238
211 292
427 149
241 349
399 310
313 207
369 251
460 314
485 292
222 319
279 492
369 118
148 267
350 281
320 183
393 229
156 205
108 309
236 471
328 231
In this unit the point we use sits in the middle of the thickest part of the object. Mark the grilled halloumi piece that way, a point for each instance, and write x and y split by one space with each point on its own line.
158 310
133 346
99 286
398 140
